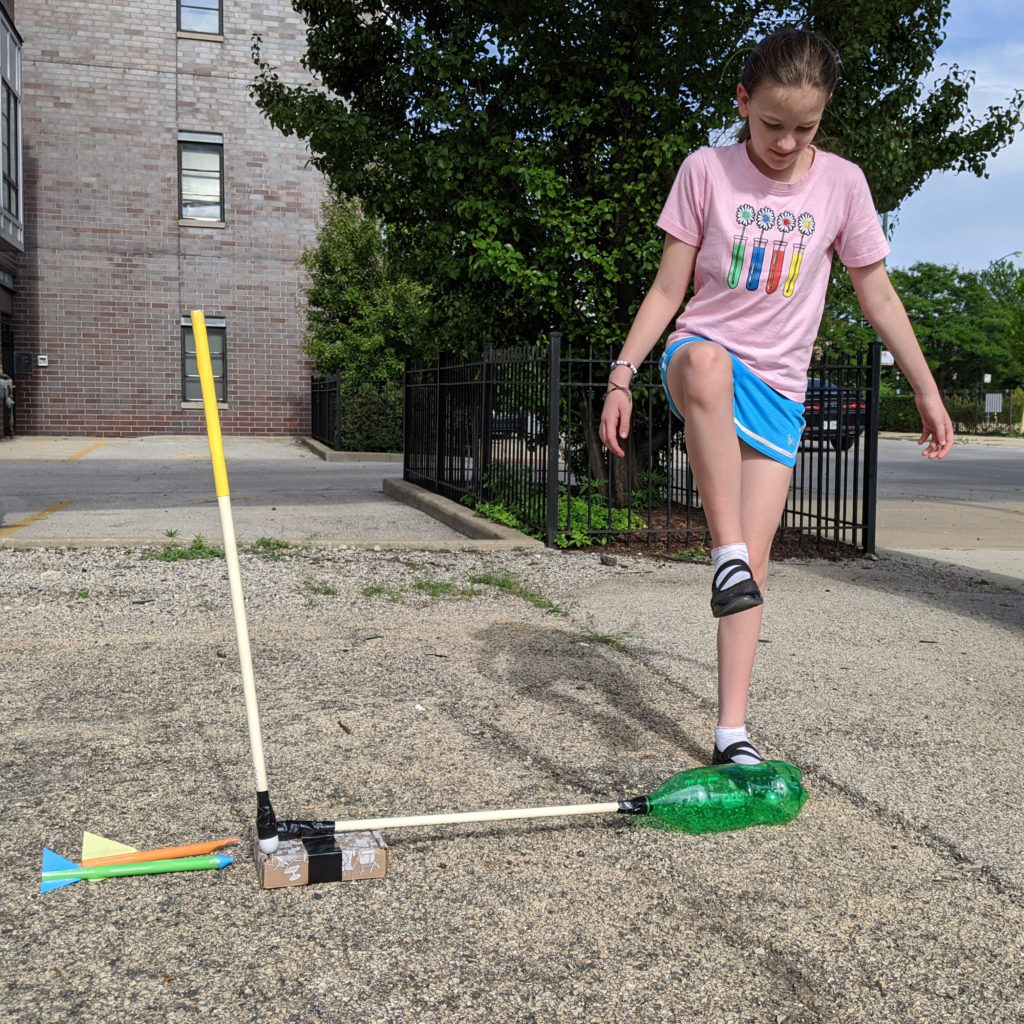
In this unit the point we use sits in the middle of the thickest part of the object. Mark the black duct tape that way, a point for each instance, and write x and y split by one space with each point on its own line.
304 829
325 858
266 823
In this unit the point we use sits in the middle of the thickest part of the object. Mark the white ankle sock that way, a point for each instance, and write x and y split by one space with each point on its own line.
732 575
726 737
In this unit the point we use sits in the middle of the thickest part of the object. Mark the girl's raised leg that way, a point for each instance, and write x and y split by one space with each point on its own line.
765 487
700 381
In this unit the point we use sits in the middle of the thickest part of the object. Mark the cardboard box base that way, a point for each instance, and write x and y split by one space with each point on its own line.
342 857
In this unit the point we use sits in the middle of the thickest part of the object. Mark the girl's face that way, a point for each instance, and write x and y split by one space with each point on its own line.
783 121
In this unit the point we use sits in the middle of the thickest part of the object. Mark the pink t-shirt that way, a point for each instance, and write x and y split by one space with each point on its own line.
766 254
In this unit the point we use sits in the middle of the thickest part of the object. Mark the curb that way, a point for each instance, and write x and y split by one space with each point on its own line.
330 455
457 517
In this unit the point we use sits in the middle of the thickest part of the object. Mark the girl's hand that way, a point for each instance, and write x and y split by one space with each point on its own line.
936 427
618 408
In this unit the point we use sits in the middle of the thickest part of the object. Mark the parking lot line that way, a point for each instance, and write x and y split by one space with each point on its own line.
4 531
91 448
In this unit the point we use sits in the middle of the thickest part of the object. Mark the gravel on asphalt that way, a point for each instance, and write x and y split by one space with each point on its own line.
414 682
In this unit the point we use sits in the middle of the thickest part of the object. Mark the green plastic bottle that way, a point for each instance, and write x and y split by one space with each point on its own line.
722 798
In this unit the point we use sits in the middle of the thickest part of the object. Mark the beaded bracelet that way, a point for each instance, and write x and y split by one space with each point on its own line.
618 387
624 362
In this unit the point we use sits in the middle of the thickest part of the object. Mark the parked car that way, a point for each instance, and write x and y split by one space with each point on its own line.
506 425
833 415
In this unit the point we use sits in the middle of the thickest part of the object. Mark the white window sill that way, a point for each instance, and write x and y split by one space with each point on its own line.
209 37
201 224
200 406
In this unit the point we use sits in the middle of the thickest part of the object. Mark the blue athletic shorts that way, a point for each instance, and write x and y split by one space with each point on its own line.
767 421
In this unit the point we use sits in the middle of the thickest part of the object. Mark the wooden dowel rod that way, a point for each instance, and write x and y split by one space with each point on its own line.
365 824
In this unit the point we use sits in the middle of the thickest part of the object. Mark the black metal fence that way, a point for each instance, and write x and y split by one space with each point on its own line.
517 430
326 399
366 418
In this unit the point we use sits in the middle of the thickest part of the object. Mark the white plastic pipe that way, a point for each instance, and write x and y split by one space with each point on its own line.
366 824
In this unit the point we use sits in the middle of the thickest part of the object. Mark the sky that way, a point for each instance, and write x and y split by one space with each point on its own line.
958 219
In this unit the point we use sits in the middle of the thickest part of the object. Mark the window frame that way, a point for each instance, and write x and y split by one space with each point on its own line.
214 324
12 184
183 6
215 143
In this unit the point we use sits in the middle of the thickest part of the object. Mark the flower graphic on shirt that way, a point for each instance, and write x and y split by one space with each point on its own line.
805 224
765 218
744 217
786 221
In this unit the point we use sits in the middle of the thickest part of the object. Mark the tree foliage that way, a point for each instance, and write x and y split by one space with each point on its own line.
886 116
964 329
969 323
519 153
362 317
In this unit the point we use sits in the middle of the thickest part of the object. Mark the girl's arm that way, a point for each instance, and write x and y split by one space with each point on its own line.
660 305
885 312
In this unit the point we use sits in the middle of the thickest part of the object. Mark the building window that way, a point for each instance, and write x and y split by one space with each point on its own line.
201 176
216 333
11 149
200 16
11 228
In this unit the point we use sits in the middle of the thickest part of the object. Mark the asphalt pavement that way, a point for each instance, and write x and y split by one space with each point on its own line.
405 667
159 489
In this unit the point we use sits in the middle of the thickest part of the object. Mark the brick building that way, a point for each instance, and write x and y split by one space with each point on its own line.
151 186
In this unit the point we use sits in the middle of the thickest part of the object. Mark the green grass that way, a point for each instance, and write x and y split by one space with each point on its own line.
512 585
268 547
176 553
697 554
604 639
505 582
320 587
442 588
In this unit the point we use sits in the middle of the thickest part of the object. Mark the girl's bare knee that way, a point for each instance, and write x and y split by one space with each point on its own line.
705 357
701 371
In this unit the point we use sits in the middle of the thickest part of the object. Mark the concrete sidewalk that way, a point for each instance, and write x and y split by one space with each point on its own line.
312 495
98 492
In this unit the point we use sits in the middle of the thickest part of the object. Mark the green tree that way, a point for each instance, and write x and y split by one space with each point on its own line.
1005 283
523 150
363 319
963 329
843 331
882 117
519 152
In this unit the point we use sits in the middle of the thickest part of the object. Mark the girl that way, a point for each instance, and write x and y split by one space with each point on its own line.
756 224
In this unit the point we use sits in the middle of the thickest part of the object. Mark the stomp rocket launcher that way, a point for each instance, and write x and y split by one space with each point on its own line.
711 799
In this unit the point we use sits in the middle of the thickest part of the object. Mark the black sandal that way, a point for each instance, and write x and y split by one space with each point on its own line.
728 755
740 596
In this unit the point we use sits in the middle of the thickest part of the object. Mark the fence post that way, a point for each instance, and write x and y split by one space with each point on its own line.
440 397
870 497
481 470
554 423
337 412
407 419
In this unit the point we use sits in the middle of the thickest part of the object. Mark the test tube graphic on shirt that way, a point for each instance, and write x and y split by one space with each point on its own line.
805 225
744 217
785 222
765 221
